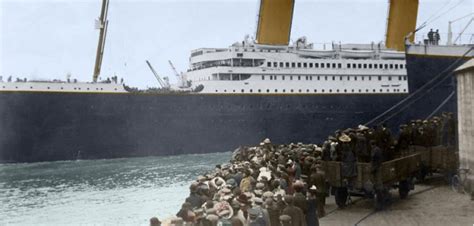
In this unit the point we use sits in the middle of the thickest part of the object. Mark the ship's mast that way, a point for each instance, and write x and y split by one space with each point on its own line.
102 26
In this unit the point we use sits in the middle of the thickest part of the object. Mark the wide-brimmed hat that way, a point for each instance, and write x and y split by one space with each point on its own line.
285 218
243 199
298 184
267 141
362 127
257 201
267 194
344 138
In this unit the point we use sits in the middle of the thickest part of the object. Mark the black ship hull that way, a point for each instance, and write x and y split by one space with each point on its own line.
66 126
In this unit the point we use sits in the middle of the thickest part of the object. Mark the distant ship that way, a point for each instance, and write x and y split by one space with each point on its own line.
228 97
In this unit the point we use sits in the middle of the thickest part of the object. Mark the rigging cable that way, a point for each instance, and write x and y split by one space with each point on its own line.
432 18
441 105
420 89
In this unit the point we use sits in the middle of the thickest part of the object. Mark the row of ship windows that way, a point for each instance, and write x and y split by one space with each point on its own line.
31 87
348 78
316 91
334 65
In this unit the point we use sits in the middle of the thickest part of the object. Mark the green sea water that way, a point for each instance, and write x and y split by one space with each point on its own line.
125 191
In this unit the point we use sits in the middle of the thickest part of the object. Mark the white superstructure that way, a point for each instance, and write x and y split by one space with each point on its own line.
63 86
297 69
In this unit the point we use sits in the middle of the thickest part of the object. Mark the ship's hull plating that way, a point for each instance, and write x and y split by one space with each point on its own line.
59 126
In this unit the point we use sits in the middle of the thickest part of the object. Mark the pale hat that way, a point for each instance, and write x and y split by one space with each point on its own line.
344 138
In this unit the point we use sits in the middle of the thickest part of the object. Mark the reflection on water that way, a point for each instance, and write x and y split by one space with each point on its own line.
117 191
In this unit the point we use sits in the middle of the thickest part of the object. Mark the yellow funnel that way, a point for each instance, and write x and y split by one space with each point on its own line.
274 22
401 21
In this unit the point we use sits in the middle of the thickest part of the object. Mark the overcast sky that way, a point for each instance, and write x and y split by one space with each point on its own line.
46 39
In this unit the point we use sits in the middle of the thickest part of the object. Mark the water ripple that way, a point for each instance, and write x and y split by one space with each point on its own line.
125 191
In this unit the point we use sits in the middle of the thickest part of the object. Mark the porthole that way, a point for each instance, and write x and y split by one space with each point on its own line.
62 88
315 90
352 91
276 90
360 91
291 90
374 90
31 87
268 90
259 90
330 90
299 90
233 91
322 90
366 90
404 90
216 91
49 88
242 90
284 90
381 90
307 90
225 91
337 90
88 89
345 90
388 90
251 90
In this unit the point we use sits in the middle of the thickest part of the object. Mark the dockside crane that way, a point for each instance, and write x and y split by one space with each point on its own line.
102 24
163 83
180 76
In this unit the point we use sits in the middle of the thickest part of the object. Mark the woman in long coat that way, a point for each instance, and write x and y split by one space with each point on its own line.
312 206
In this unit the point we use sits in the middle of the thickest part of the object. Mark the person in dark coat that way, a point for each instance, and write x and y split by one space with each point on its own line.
361 149
376 163
349 166
431 37
326 150
299 197
186 212
312 204
403 140
294 212
273 211
194 198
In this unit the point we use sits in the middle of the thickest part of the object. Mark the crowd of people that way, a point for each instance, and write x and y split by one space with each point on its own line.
270 185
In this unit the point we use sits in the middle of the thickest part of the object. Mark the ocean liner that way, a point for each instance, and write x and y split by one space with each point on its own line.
228 97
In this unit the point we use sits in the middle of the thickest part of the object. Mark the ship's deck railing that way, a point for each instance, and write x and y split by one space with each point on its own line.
465 38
